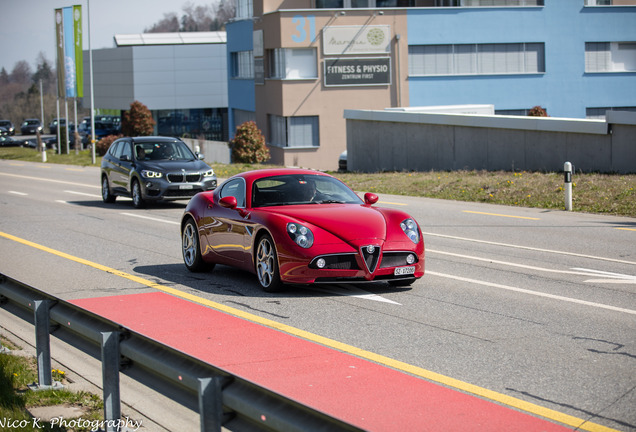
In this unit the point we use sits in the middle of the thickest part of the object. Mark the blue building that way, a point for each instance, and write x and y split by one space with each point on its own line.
293 65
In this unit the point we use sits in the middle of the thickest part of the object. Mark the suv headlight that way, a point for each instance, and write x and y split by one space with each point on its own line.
151 174
300 234
410 229
209 173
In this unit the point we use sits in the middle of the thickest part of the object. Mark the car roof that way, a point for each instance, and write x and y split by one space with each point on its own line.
141 139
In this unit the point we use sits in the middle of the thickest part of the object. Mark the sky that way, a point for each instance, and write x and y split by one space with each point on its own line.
28 26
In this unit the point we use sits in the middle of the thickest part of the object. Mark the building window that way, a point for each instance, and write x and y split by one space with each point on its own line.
293 63
348 4
244 9
600 113
476 59
298 132
242 66
610 57
610 2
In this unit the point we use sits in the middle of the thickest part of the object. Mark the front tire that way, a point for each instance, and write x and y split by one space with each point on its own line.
107 196
137 197
266 263
190 247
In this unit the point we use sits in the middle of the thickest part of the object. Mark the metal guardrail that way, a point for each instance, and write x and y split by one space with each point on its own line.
221 398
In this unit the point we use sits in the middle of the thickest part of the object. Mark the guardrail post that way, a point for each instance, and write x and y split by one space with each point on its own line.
110 380
211 404
42 344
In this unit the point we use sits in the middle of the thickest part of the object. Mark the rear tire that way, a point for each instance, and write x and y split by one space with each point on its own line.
191 249
266 262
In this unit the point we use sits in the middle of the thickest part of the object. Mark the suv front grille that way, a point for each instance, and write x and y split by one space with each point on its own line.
183 177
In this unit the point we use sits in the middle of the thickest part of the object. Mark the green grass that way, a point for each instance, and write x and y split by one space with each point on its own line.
16 373
613 194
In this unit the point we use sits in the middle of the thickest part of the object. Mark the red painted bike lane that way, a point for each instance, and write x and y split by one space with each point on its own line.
357 391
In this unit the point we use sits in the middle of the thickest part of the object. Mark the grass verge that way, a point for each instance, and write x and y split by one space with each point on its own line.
16 373
612 194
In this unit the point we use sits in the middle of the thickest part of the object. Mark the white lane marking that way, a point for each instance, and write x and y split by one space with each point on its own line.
151 218
617 277
83 194
48 180
535 293
610 277
351 291
18 193
531 248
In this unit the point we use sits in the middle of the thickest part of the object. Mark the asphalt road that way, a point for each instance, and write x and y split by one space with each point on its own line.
537 305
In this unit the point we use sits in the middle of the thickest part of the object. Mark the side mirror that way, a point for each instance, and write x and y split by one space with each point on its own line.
228 202
370 198
125 158
200 156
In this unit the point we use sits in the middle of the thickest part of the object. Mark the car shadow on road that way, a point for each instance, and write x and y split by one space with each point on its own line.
126 204
230 281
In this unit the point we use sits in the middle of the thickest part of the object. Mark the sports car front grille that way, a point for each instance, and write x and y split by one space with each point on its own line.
371 255
395 259
337 262
183 177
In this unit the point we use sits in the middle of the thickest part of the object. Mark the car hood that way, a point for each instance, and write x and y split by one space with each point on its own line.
172 166
349 222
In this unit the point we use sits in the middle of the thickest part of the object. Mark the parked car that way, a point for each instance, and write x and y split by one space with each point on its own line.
4 131
300 227
342 161
8 125
153 169
53 126
31 127
7 141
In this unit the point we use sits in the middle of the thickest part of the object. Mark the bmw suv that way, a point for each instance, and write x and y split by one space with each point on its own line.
153 169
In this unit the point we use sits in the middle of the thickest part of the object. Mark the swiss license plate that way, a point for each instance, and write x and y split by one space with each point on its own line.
404 271
186 186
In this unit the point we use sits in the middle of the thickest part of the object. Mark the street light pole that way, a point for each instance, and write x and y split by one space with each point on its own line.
90 61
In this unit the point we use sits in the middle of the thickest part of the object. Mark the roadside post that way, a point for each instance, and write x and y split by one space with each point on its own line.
567 168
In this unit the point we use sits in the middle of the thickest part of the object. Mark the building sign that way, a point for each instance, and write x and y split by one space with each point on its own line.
371 39
357 71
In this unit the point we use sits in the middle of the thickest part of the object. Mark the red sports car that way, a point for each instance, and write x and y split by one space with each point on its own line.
297 226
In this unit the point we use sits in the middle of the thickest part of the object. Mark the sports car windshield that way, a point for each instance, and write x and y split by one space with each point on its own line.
158 151
301 189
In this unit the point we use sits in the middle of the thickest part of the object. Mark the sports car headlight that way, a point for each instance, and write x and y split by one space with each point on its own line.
208 173
300 234
151 174
410 229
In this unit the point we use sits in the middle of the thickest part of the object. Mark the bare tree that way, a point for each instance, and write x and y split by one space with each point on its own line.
168 24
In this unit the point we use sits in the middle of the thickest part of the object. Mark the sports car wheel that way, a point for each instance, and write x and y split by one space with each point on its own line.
107 197
138 200
267 265
192 257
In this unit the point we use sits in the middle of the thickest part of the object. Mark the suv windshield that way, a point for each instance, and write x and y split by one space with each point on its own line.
176 150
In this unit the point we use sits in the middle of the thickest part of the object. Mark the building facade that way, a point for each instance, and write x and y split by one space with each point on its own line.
294 66
180 77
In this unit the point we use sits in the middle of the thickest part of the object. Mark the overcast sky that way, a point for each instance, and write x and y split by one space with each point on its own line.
28 26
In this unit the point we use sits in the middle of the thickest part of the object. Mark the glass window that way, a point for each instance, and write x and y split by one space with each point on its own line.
293 63
242 65
480 59
610 56
244 9
235 188
300 131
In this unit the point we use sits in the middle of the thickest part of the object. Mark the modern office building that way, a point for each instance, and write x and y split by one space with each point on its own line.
180 77
296 65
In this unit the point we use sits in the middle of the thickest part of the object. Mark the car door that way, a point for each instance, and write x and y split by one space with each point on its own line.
122 166
228 232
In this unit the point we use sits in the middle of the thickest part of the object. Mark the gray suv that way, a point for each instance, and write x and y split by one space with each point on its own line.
153 169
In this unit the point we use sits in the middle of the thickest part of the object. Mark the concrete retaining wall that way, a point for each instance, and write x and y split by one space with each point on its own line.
396 141
214 151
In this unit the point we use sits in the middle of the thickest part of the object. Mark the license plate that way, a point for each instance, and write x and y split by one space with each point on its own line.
404 271
186 186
